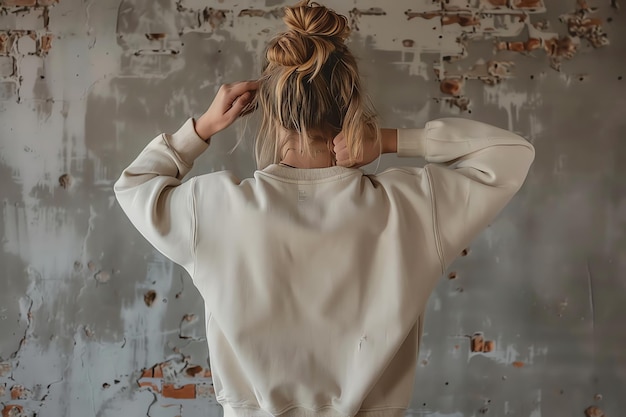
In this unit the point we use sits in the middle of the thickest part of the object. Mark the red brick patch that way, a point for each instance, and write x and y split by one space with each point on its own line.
6 42
187 392
45 43
19 2
10 410
151 385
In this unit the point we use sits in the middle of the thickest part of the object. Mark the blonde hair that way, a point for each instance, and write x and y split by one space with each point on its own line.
310 86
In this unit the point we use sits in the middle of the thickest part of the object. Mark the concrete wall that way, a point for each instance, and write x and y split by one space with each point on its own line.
94 322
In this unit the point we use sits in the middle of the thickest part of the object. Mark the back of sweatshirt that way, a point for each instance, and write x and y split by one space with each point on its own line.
315 280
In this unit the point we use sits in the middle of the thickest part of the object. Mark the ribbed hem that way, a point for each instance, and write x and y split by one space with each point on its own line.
411 143
230 411
186 142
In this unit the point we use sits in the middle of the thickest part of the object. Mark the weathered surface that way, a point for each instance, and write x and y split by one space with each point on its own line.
96 323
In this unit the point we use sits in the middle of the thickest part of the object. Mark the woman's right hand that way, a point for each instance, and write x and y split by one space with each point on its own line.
371 149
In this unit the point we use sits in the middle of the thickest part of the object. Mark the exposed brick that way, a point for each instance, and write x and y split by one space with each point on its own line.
594 411
149 297
155 36
462 20
44 44
490 345
19 2
528 4
3 389
12 410
193 370
215 17
530 45
6 40
495 3
157 371
148 384
477 343
186 392
19 392
7 66
452 86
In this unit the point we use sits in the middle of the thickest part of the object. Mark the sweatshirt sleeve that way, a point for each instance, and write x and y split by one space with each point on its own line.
153 196
473 171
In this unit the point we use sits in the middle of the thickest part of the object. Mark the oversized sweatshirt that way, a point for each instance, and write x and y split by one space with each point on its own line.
315 281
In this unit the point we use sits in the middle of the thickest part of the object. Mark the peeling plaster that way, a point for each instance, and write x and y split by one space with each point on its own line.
95 308
482 26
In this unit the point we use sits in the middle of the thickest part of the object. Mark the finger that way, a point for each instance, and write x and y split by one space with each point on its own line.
237 89
232 98
340 147
342 155
338 139
344 163
250 108
239 104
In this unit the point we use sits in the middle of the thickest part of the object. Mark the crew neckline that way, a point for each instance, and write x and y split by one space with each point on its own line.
308 174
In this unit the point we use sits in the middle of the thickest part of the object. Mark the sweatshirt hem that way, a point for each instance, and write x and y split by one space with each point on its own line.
329 411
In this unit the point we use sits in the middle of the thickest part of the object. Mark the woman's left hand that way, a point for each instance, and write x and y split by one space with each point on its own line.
230 101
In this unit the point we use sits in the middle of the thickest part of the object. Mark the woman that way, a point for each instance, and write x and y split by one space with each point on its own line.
315 276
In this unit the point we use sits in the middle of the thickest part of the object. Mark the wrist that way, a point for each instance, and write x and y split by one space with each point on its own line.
203 129
389 138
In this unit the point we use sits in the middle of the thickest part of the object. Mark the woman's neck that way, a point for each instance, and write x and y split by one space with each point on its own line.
295 157
320 159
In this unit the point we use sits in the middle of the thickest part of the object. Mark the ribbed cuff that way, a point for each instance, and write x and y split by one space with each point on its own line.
411 142
186 142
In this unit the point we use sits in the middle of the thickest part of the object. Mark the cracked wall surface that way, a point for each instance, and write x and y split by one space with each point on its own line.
94 322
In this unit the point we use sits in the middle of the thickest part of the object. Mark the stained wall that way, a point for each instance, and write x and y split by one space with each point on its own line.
95 322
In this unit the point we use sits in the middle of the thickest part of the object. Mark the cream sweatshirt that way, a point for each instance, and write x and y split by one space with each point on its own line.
315 281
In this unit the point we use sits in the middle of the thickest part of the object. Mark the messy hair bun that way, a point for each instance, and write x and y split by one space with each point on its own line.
315 33
310 83
316 21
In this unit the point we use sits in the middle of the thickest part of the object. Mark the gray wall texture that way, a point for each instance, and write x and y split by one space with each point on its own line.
95 322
